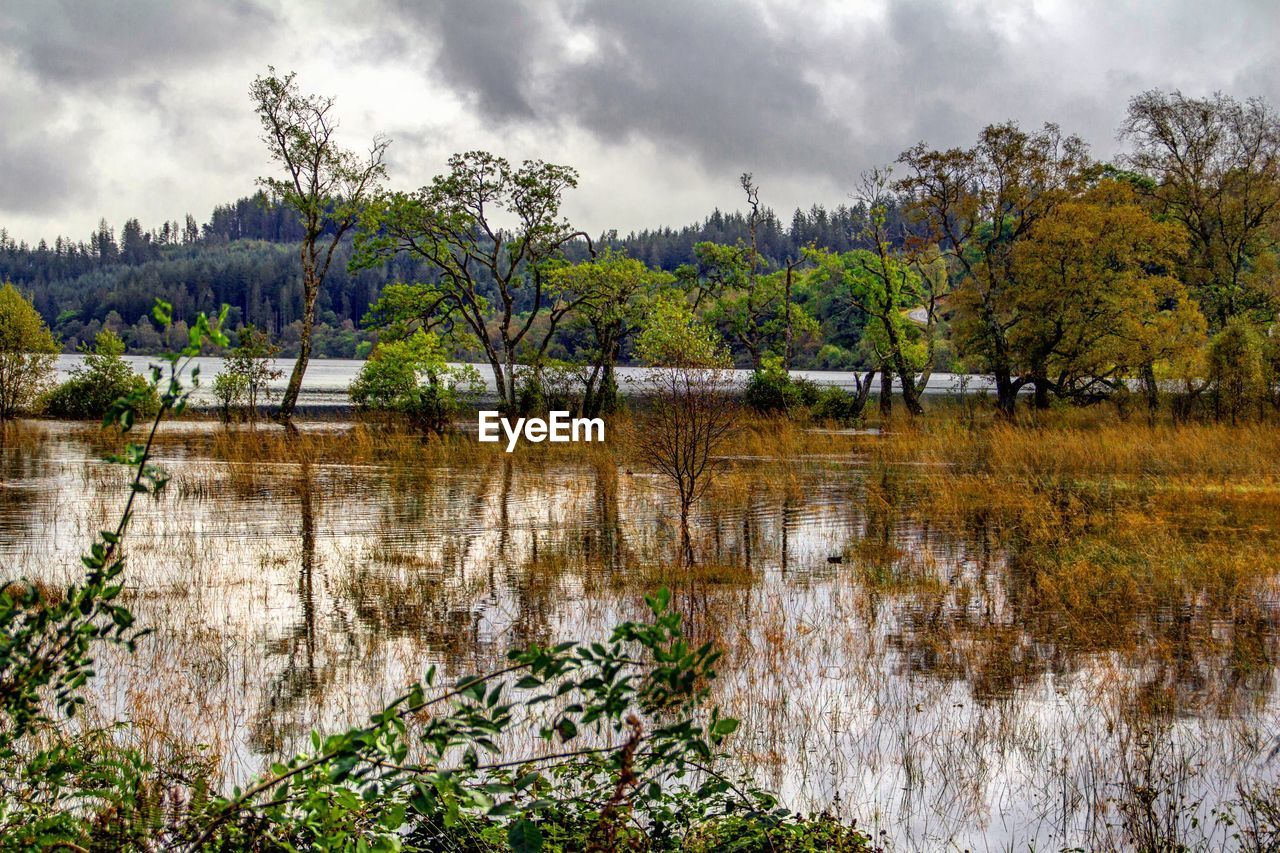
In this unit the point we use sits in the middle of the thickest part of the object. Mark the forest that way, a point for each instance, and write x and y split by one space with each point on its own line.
245 256
1020 257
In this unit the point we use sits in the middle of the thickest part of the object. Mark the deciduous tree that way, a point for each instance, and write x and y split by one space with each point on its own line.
492 277
891 291
690 414
27 353
977 204
1213 164
613 291
1097 298
326 184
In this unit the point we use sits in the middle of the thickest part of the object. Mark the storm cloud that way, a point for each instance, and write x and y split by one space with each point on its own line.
139 107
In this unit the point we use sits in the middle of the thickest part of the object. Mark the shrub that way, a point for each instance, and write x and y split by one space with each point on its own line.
1236 369
819 832
772 390
552 385
246 374
836 404
27 353
103 378
832 357
412 378
229 391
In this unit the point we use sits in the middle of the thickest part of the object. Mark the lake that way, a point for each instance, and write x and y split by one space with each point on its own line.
921 684
326 381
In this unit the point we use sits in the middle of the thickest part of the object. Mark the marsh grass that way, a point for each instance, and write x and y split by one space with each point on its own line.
1073 620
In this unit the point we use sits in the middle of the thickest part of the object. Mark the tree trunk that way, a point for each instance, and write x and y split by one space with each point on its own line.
786 353
910 394
1041 386
290 401
607 393
863 390
508 393
1006 393
686 537
886 391
1151 389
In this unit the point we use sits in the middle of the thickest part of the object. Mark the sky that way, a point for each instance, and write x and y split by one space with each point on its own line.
141 107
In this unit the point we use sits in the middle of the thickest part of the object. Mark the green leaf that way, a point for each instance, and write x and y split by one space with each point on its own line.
524 836
163 313
725 726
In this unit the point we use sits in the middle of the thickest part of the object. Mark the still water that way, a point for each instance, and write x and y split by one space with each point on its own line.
910 691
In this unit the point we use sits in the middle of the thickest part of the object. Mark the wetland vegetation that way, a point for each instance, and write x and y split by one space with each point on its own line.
770 617
956 633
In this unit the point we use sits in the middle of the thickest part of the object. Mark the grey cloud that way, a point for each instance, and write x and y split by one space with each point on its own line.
69 43
38 179
711 78
706 76
43 170
798 91
486 49
788 90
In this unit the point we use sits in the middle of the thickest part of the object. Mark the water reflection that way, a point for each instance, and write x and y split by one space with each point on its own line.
926 675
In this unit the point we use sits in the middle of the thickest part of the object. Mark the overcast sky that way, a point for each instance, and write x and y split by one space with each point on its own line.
140 107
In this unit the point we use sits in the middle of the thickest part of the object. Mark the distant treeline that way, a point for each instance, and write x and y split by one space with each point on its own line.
246 256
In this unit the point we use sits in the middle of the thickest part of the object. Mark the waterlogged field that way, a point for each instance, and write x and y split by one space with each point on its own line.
984 638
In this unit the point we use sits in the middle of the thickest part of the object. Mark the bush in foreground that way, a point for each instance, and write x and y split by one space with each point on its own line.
772 390
95 385
412 377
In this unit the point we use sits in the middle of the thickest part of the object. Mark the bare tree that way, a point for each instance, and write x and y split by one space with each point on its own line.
1214 167
327 186
690 413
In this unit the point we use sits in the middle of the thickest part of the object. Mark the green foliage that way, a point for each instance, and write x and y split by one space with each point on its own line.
95 385
490 279
817 833
323 182
772 390
412 377
55 781
229 390
1236 369
627 753
27 353
614 291
554 385
673 337
246 374
836 404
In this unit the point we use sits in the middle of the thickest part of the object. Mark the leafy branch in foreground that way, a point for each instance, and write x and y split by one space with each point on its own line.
626 759
46 641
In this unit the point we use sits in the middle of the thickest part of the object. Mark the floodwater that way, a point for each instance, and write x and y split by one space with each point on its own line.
912 692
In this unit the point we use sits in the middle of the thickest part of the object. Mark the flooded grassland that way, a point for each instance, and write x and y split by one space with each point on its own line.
970 638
